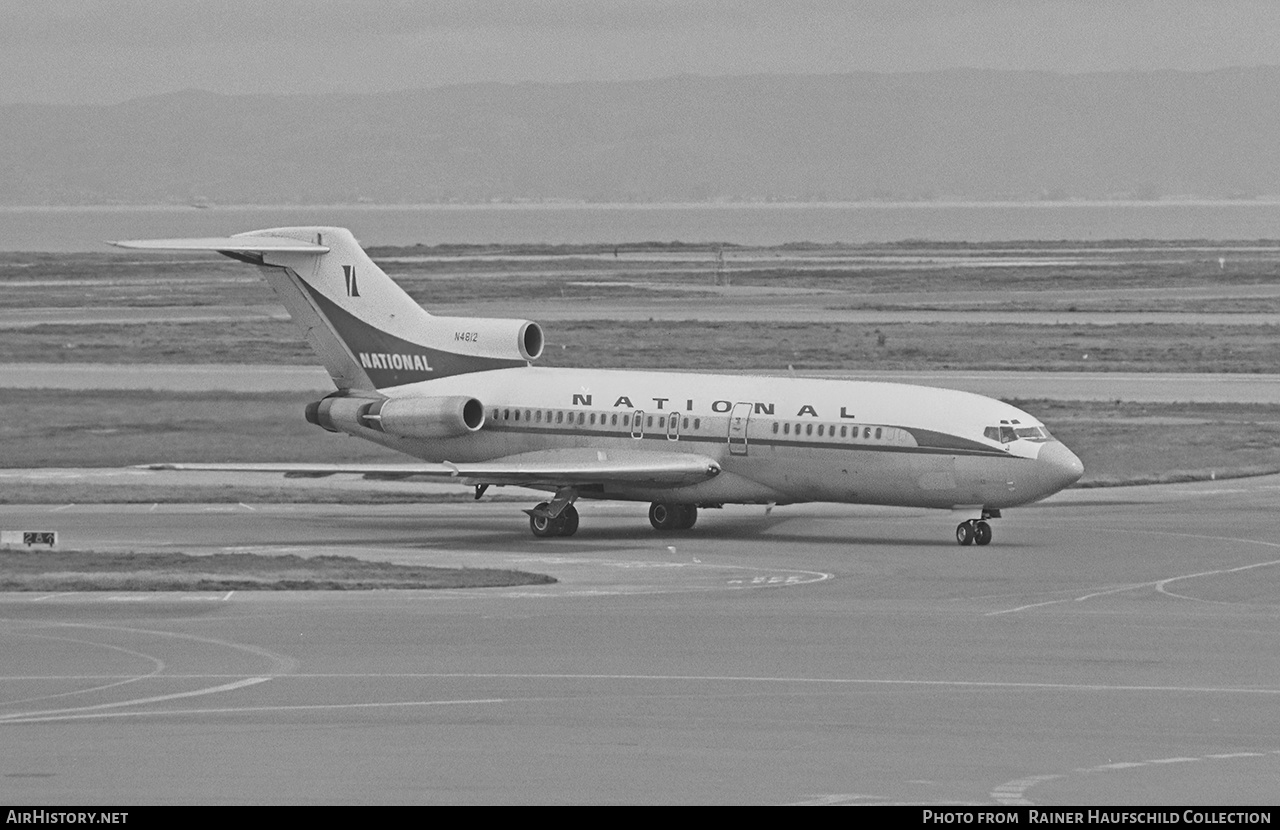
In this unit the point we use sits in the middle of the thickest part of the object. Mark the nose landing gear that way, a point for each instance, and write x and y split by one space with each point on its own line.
973 532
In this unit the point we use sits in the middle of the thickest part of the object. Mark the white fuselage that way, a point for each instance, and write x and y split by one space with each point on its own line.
778 440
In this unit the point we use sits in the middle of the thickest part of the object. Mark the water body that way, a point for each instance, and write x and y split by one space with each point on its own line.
64 229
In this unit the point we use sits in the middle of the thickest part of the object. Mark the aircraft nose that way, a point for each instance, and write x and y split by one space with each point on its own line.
1058 466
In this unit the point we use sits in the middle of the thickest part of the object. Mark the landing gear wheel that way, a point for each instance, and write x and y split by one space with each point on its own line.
569 520
964 533
982 533
686 516
543 527
662 516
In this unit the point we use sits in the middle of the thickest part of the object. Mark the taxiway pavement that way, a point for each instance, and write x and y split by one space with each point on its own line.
1110 647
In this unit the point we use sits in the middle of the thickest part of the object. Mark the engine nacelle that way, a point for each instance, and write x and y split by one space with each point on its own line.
440 417
446 417
338 414
484 337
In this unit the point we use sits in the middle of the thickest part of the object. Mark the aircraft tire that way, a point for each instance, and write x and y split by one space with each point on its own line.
568 521
543 527
982 533
662 516
686 516
965 533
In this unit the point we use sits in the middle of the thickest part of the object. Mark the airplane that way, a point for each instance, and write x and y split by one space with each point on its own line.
462 395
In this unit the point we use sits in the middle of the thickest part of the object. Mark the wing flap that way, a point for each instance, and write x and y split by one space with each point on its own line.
552 468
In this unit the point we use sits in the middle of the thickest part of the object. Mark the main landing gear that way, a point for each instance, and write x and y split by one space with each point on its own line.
559 517
664 516
543 525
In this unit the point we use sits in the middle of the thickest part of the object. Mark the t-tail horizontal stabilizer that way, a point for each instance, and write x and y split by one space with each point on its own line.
368 332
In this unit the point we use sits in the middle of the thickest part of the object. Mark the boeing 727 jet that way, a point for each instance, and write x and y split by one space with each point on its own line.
462 395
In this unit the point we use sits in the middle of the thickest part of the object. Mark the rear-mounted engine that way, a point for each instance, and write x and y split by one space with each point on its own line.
436 417
484 337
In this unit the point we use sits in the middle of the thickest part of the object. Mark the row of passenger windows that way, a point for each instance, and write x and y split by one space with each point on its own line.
613 419
890 435
555 417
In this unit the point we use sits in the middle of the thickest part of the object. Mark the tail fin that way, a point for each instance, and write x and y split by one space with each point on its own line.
368 332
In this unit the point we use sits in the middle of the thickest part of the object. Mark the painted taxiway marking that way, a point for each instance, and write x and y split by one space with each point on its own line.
835 798
157 666
82 711
280 664
236 710
288 674
1015 792
1159 584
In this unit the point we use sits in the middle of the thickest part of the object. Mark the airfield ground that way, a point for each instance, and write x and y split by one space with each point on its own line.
1113 645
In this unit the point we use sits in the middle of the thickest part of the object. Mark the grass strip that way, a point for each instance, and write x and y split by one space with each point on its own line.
48 571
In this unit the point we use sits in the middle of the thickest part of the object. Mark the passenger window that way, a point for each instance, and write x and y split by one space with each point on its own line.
844 431
582 416
697 422
506 414
495 414
662 422
820 430
808 429
775 427
539 418
614 420
866 432
560 416
517 414
527 414
686 423
593 419
786 429
626 420
648 421
877 433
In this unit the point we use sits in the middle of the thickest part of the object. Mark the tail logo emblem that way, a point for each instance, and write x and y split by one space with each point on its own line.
349 271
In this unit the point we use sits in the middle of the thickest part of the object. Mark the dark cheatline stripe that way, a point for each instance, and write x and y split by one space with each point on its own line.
362 338
973 448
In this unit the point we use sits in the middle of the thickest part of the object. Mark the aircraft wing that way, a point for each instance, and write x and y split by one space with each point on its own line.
234 244
547 468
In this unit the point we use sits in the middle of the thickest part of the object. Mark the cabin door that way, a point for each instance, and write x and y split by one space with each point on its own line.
738 419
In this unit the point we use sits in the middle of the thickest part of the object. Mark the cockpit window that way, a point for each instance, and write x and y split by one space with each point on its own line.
1006 434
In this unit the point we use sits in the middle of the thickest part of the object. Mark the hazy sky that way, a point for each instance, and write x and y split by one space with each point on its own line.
77 51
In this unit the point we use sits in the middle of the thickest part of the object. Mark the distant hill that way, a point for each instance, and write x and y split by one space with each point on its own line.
962 134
